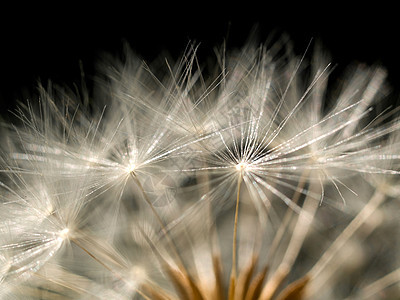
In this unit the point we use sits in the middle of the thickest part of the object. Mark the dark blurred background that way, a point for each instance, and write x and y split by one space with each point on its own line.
41 43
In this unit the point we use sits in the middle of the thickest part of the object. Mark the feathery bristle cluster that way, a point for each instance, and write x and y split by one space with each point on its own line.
265 181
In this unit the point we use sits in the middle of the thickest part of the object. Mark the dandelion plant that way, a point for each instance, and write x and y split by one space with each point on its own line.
263 178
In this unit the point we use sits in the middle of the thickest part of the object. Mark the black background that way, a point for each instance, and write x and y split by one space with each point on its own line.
41 43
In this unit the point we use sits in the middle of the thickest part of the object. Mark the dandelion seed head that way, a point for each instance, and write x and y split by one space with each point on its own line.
131 167
242 166
183 147
63 234
138 274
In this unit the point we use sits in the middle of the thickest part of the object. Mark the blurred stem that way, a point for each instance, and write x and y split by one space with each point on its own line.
380 284
288 216
146 198
300 231
359 220
212 236
106 267
232 284
64 284
155 213
179 259
96 259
